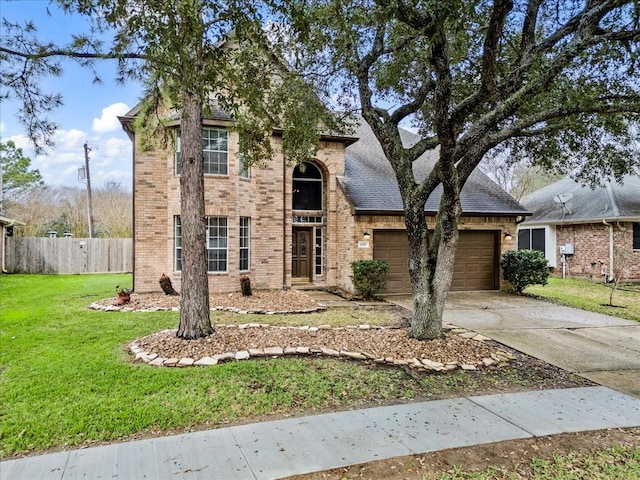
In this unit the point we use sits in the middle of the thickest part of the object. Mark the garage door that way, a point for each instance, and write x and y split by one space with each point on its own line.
475 267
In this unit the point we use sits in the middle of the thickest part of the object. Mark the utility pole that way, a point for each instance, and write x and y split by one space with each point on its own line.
89 206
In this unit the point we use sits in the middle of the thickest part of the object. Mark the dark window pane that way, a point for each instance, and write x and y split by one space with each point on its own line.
636 236
524 239
310 172
537 239
307 195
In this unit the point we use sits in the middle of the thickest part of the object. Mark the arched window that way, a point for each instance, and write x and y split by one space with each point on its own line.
307 187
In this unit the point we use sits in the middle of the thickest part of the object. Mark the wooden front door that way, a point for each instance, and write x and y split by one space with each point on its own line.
302 253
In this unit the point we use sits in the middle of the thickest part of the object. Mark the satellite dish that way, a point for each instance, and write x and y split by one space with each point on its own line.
563 198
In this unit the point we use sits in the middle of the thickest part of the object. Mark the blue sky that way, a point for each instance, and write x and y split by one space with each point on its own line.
88 114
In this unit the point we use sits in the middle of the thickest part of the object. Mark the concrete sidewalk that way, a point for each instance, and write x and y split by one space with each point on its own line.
278 449
601 348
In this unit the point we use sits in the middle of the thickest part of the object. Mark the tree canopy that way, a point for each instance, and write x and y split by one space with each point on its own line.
16 173
551 81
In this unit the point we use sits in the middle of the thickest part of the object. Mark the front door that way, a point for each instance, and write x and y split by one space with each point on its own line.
302 255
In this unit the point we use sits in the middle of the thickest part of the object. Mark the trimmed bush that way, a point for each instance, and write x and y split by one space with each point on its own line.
524 267
369 277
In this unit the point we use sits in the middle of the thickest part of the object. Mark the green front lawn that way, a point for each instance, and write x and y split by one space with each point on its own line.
67 379
591 296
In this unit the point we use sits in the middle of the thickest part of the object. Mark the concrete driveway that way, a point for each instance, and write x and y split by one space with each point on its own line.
601 348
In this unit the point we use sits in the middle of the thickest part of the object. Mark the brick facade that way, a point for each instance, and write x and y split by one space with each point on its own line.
266 198
591 256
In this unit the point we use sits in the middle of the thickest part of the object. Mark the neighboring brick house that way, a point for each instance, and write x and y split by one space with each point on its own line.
595 228
283 226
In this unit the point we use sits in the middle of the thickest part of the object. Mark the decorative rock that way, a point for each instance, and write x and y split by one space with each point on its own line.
467 366
451 366
302 350
330 352
256 352
243 326
242 355
481 338
290 351
152 356
273 351
313 329
458 330
221 357
324 327
378 360
400 362
186 362
170 362
206 361
364 327
353 355
468 334
157 362
487 362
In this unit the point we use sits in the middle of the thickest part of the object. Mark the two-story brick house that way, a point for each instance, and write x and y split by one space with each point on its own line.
283 225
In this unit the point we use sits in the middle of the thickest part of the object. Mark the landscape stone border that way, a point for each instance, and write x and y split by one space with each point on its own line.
125 308
424 364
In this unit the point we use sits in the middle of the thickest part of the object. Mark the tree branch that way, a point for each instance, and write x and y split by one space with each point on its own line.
72 54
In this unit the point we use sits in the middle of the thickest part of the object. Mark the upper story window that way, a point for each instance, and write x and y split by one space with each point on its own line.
307 187
242 170
215 147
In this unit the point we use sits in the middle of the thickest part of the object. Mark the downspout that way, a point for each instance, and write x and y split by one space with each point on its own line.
284 223
610 274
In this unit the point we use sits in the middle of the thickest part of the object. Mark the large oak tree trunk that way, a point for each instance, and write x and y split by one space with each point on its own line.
431 259
194 303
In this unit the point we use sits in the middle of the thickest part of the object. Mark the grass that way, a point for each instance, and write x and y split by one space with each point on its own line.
622 463
590 296
67 380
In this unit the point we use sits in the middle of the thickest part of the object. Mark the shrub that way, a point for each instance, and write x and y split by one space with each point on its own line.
524 267
369 277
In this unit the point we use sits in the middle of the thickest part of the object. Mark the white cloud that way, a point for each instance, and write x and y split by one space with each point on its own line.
1 127
109 158
108 121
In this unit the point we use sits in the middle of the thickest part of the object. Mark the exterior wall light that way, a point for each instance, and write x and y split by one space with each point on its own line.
507 236
366 235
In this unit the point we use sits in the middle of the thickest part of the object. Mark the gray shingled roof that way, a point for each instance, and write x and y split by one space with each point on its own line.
583 204
370 183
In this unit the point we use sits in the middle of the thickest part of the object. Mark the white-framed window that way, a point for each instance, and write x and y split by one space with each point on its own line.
177 243
216 235
318 251
541 238
215 151
217 239
243 172
244 239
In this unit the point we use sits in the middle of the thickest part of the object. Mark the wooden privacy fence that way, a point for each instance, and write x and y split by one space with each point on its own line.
68 255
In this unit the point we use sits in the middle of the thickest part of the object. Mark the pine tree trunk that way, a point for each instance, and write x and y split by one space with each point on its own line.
194 303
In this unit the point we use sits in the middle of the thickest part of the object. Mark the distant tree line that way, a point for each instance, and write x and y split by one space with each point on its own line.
63 209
